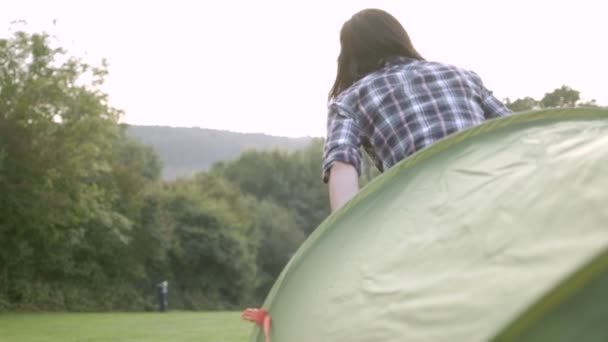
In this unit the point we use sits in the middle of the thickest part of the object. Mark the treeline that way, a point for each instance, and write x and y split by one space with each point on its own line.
179 148
562 97
86 223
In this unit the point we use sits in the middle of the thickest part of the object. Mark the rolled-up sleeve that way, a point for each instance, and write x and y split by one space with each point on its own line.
492 107
342 142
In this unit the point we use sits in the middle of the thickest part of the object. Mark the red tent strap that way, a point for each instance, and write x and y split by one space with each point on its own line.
259 317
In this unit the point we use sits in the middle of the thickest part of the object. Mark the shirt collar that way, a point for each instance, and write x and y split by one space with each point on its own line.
396 60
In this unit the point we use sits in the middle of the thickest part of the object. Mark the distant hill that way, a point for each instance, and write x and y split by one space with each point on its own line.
185 151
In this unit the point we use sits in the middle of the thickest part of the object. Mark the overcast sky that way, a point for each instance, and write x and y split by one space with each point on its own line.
266 66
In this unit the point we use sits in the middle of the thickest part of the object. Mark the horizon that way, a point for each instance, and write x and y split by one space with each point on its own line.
226 131
264 68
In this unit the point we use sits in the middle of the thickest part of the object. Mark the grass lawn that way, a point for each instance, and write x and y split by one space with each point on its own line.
123 327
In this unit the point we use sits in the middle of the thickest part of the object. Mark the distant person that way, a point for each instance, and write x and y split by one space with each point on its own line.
392 102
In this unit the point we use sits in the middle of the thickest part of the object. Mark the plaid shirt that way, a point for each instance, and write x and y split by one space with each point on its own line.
402 108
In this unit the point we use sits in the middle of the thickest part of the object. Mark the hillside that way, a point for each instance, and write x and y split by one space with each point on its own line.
185 151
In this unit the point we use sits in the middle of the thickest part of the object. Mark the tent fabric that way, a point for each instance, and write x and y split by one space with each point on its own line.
457 241
576 310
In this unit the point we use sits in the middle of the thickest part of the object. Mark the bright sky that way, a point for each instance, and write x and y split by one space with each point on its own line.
266 66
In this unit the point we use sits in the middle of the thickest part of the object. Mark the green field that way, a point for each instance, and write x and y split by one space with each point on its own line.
123 327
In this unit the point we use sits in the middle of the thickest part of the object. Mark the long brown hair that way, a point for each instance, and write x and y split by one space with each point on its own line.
368 39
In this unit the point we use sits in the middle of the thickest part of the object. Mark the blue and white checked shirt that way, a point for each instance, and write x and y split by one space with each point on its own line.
402 108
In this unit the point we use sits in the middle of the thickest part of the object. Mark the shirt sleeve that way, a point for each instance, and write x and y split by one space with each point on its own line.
342 142
492 107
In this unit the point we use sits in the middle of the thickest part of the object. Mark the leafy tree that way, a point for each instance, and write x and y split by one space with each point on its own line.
216 242
521 105
291 180
56 134
561 97
72 182
279 239
591 103
272 234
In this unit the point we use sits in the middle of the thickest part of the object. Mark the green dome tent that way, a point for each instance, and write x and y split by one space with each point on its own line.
497 233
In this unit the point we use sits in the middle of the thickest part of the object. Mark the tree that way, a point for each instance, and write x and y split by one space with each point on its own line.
210 262
218 247
561 97
521 105
291 180
592 104
72 184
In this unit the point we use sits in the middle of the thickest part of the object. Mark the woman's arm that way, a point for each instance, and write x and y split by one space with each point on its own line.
343 184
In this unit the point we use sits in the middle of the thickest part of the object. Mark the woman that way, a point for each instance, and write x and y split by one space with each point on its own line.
392 102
